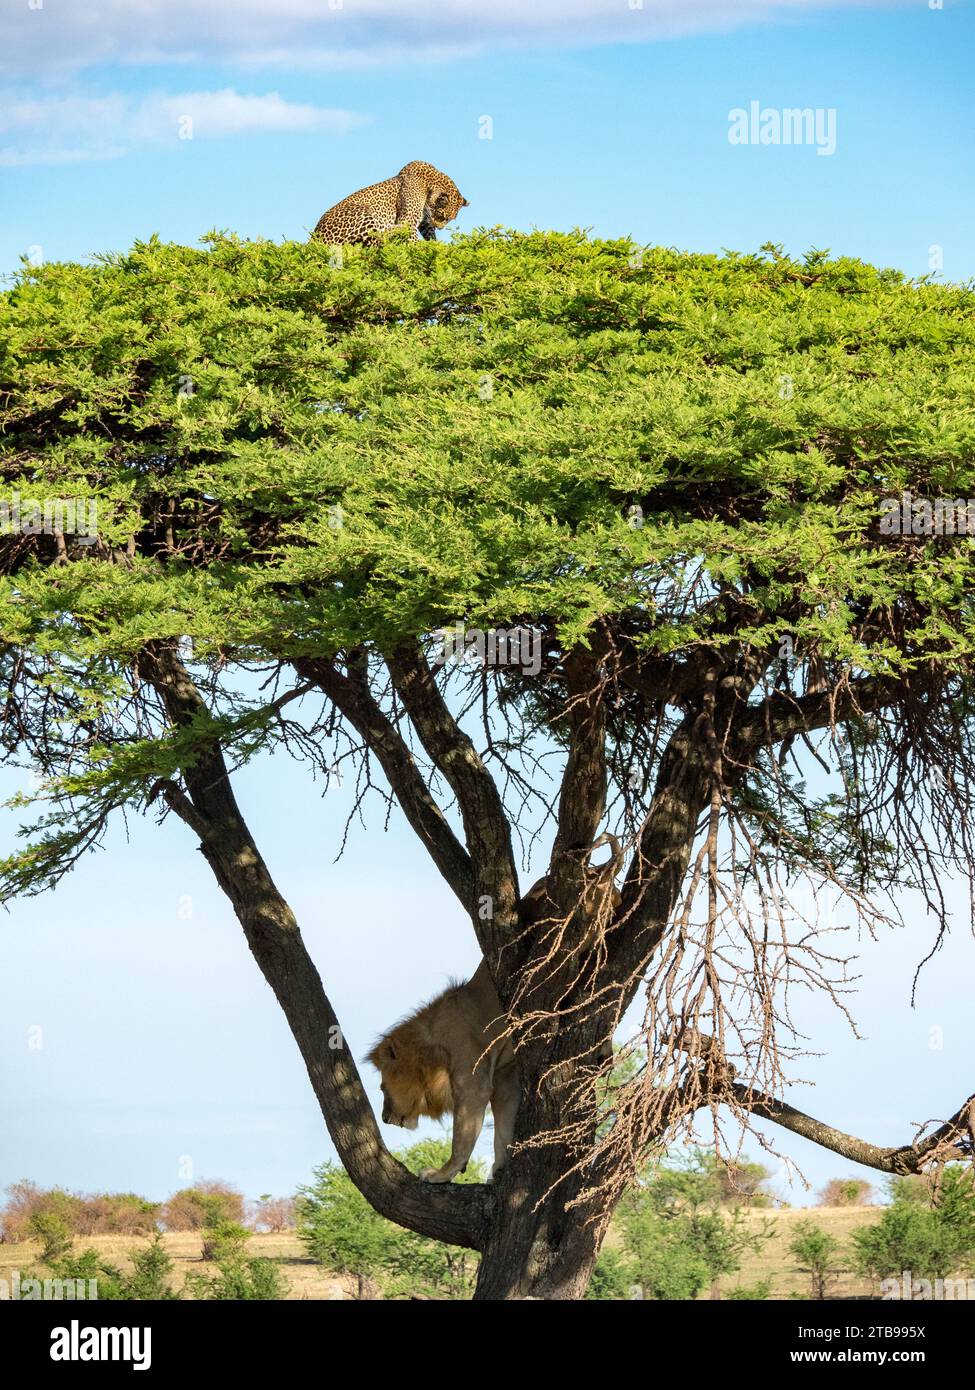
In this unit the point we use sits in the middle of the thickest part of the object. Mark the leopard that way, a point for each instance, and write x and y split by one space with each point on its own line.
419 197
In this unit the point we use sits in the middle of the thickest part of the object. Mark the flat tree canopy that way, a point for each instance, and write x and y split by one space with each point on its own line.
745 656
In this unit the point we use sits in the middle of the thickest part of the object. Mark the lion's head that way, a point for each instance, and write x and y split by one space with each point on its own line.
415 1079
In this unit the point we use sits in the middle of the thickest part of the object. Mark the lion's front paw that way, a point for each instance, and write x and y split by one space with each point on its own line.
434 1175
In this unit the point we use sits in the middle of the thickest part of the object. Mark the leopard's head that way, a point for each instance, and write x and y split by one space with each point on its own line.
444 199
445 203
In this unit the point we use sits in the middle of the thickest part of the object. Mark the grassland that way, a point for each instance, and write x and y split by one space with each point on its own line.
309 1281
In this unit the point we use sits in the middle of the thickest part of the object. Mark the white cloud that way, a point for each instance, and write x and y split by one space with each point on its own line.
342 33
53 129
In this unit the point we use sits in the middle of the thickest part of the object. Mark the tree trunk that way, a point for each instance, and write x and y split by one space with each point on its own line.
541 1243
543 1252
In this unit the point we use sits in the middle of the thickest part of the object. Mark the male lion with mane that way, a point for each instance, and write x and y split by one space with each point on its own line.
450 1056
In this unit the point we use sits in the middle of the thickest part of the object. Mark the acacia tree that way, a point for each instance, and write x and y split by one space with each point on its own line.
672 472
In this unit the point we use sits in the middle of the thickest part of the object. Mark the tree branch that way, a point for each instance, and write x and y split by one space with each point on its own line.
903 1159
351 695
486 827
582 796
783 715
454 1213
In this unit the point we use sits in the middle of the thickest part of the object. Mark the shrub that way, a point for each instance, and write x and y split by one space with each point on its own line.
101 1213
26 1200
750 1293
147 1281
932 1239
224 1241
678 1231
117 1213
340 1229
247 1281
917 1188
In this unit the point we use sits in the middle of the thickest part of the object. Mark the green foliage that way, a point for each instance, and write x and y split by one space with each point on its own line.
305 459
700 1177
338 1227
613 1278
341 1230
911 1187
749 1293
817 1252
678 1233
53 1231
147 1281
240 1280
933 1239
225 1240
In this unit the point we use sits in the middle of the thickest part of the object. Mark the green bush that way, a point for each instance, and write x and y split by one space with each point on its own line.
147 1281
341 1231
240 1280
932 1239
339 1228
52 1229
224 1241
614 1277
677 1230
750 1293
817 1252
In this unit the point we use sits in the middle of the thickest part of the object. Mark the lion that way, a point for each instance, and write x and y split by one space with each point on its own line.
451 1056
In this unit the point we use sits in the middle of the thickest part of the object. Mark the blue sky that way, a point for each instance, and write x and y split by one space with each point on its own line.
160 1044
630 138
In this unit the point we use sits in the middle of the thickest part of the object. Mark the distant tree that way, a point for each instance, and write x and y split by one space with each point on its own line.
207 1203
117 1213
273 1213
845 1192
27 1203
340 1229
224 1240
254 1280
